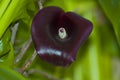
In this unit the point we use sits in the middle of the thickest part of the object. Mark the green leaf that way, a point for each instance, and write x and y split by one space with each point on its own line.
4 43
8 59
112 11
7 73
3 7
18 8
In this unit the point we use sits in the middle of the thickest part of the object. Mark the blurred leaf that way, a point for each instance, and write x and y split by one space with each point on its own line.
67 5
23 28
59 3
8 59
6 50
3 7
4 43
18 8
112 11
25 24
9 74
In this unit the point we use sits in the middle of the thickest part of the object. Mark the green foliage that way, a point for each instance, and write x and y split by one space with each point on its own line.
95 58
112 11
4 43
8 74
18 8
12 12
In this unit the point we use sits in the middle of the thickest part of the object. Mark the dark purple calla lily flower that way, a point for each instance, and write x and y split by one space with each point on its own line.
57 35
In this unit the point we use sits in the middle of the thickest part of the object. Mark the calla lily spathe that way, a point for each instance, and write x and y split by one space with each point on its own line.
58 35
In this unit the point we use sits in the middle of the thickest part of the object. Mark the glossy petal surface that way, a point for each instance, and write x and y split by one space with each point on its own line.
48 44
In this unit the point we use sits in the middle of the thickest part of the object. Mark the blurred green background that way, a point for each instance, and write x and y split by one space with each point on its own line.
97 59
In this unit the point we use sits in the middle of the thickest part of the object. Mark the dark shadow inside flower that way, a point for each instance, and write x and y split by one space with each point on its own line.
67 30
